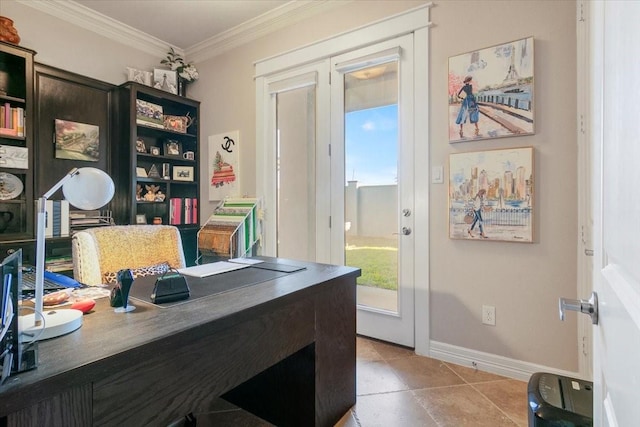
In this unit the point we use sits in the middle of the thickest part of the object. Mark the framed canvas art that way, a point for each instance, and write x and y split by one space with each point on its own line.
77 141
491 195
490 92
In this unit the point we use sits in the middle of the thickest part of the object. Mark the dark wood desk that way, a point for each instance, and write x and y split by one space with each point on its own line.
283 349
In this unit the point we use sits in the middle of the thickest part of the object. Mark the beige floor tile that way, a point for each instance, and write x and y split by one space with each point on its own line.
391 351
349 420
365 350
423 372
508 395
399 409
461 406
377 377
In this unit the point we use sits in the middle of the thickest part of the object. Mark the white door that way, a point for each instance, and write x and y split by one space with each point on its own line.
372 178
615 91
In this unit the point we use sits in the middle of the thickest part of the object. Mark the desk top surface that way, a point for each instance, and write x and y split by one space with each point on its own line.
105 334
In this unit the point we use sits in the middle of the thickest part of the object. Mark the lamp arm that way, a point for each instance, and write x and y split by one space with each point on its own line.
40 240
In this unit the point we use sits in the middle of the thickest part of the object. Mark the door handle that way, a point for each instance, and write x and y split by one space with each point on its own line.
589 306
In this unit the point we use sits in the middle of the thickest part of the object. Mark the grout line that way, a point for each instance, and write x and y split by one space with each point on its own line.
494 404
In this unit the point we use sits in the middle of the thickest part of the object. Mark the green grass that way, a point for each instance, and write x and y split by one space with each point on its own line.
377 257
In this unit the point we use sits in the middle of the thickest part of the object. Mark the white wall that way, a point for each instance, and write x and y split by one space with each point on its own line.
523 281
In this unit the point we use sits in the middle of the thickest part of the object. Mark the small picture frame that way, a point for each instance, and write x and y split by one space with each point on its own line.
183 173
139 76
140 146
141 172
166 80
172 148
141 219
155 151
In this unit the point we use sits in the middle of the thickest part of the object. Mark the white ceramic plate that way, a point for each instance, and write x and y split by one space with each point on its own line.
10 186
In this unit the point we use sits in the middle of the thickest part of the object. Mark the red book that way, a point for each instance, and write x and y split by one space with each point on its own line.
194 211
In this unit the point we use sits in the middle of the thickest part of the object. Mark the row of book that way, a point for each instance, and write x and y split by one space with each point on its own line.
11 120
183 211
60 221
57 221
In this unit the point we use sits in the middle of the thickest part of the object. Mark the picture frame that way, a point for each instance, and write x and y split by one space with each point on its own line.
141 219
139 76
141 172
491 195
491 92
77 141
172 148
154 151
140 146
149 114
166 80
183 173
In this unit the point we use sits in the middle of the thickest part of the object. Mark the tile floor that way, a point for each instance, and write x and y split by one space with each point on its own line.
396 388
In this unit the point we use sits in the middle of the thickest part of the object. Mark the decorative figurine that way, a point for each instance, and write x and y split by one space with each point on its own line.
120 292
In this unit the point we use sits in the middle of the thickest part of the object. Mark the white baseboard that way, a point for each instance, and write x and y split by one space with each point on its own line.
487 362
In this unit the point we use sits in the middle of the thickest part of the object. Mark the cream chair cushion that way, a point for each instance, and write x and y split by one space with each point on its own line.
101 250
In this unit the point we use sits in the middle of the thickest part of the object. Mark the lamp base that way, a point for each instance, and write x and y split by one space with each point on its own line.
56 323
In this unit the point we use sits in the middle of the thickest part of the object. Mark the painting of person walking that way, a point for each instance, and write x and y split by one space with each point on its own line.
491 195
468 108
490 92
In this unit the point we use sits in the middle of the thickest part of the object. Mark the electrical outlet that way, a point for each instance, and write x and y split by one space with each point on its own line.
489 315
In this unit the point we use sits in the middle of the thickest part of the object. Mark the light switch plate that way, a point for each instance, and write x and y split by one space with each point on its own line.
437 175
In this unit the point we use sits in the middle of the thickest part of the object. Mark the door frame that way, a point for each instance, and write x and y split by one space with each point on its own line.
415 21
397 327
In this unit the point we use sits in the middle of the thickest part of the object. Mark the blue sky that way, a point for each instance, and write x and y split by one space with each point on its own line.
371 156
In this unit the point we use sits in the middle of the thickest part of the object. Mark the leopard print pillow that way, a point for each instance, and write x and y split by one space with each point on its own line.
111 277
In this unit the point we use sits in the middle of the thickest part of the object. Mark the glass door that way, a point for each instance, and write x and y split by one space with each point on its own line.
372 162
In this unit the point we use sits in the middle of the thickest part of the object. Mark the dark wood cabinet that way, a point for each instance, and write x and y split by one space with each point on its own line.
155 155
16 143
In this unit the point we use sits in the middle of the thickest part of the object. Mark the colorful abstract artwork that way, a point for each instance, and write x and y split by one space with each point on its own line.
491 195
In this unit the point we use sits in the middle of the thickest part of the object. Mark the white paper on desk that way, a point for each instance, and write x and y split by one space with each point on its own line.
249 261
210 269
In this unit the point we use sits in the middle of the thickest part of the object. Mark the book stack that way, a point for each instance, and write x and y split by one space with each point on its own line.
11 120
86 219
183 211
59 263
57 222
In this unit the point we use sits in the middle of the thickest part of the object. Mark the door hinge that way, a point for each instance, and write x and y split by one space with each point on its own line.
329 77
329 221
581 17
329 150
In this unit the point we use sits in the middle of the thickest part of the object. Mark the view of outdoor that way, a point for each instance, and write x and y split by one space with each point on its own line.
371 160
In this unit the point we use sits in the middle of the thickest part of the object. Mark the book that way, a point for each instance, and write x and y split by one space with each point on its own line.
57 214
48 229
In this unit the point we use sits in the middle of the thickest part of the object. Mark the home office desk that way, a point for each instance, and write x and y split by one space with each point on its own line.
283 349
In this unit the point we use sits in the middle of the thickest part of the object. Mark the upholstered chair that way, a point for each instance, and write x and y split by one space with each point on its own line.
100 252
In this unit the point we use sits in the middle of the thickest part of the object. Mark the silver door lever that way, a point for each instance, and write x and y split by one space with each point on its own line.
589 306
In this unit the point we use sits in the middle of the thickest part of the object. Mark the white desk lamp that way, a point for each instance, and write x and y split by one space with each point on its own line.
86 189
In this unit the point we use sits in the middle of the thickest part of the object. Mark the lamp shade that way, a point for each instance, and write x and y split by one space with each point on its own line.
89 189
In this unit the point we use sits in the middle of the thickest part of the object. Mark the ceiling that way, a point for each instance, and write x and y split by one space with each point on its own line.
183 23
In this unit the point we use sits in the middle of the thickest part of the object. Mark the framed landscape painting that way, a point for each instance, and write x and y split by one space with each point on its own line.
491 195
490 92
77 141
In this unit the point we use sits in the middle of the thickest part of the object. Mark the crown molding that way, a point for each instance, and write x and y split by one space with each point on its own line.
278 18
91 20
